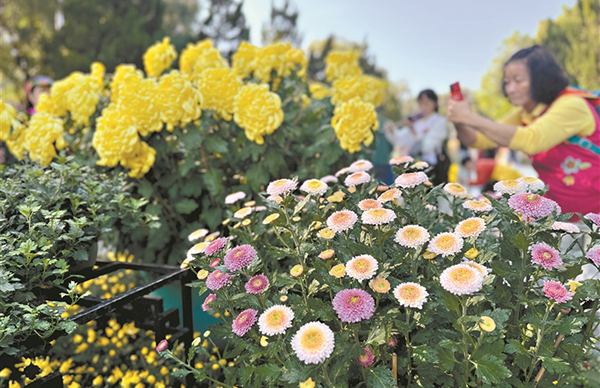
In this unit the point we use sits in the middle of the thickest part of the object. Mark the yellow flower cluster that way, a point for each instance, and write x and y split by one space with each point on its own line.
180 102
339 64
258 111
319 91
219 86
83 98
121 72
243 60
159 57
353 122
281 58
43 132
97 71
140 160
366 87
196 58
11 129
137 100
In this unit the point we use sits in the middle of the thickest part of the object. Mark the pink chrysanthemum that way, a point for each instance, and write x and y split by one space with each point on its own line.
389 195
368 204
240 257
401 160
411 179
532 205
329 179
215 262
342 220
216 280
477 206
362 267
313 343
314 187
356 179
594 255
565 227
353 305
197 234
209 299
257 284
546 256
412 236
366 359
555 290
378 216
420 165
446 244
215 246
244 322
533 184
360 166
411 295
456 190
595 218
234 197
510 187
461 279
281 187
391 341
275 320
471 227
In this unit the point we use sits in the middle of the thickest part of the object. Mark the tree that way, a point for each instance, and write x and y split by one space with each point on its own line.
282 26
225 25
574 38
490 99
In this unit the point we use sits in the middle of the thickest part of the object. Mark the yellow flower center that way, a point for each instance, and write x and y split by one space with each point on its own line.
445 242
546 255
312 340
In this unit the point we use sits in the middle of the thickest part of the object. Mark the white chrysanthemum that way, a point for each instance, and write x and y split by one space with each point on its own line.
401 160
197 234
243 212
565 227
281 187
471 227
378 216
510 186
389 195
482 269
420 165
456 190
411 295
533 184
360 166
411 179
368 204
329 179
446 244
477 206
344 170
357 178
313 343
234 197
314 186
342 220
412 236
461 279
275 320
362 267
198 248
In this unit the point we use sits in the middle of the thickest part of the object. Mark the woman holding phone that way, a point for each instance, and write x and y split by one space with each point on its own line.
557 126
423 136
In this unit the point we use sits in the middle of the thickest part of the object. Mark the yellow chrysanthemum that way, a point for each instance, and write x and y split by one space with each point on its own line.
137 99
244 59
180 101
219 88
121 72
10 126
271 58
353 122
366 87
45 105
339 64
159 57
140 160
43 132
116 135
295 58
319 90
97 70
258 111
196 58
59 92
83 98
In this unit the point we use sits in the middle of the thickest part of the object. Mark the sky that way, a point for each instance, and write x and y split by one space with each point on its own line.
428 43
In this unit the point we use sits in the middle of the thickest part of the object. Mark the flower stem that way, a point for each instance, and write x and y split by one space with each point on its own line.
326 376
408 347
465 342
538 342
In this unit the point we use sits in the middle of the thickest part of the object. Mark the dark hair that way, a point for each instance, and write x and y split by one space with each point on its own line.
430 94
547 77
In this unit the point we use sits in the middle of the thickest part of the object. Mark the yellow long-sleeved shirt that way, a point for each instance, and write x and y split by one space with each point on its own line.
568 116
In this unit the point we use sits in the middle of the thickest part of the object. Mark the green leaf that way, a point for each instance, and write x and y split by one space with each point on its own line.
380 377
213 180
571 325
215 143
186 206
514 346
555 365
520 241
268 372
377 335
425 354
80 255
491 370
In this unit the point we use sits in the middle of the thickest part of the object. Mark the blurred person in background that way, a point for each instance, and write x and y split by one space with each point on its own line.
34 88
423 136
558 127
381 155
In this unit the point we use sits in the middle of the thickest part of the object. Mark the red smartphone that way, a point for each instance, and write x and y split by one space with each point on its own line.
455 93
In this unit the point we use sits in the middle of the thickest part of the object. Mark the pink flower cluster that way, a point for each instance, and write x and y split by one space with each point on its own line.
353 305
555 290
533 205
217 280
209 299
240 257
257 284
594 255
244 322
546 256
215 246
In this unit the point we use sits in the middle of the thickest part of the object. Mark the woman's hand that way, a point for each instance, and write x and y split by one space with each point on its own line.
458 111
